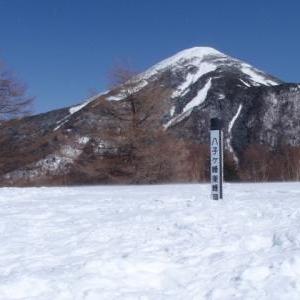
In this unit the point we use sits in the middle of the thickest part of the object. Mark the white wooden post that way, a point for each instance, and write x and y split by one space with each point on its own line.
216 159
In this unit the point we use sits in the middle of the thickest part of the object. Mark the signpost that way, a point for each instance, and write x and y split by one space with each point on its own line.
216 158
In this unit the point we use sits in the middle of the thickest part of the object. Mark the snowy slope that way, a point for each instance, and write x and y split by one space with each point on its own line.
202 64
150 242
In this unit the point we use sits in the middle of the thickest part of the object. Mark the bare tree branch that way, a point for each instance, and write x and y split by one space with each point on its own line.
13 99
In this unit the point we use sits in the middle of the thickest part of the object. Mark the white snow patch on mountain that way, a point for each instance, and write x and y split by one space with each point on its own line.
221 96
230 126
172 111
56 163
150 242
177 119
74 109
83 140
200 97
61 122
256 77
131 87
231 123
245 83
115 98
77 108
70 151
191 78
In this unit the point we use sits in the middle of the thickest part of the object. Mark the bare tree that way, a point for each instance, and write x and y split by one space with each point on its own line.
290 162
147 146
255 164
13 99
197 162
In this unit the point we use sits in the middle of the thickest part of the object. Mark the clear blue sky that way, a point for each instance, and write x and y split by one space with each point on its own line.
62 49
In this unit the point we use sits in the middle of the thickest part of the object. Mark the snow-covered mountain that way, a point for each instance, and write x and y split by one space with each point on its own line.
256 108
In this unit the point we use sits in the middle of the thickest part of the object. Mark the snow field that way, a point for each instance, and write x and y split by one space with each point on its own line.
150 242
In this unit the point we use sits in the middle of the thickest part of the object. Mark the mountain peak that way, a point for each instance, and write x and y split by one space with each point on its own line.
198 51
195 55
207 59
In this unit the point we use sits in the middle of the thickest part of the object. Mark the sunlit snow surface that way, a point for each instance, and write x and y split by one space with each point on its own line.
150 242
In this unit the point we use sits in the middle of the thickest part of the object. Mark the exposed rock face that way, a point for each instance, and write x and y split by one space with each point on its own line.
72 145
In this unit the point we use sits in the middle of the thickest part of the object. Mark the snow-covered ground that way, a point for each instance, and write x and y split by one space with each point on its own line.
150 242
